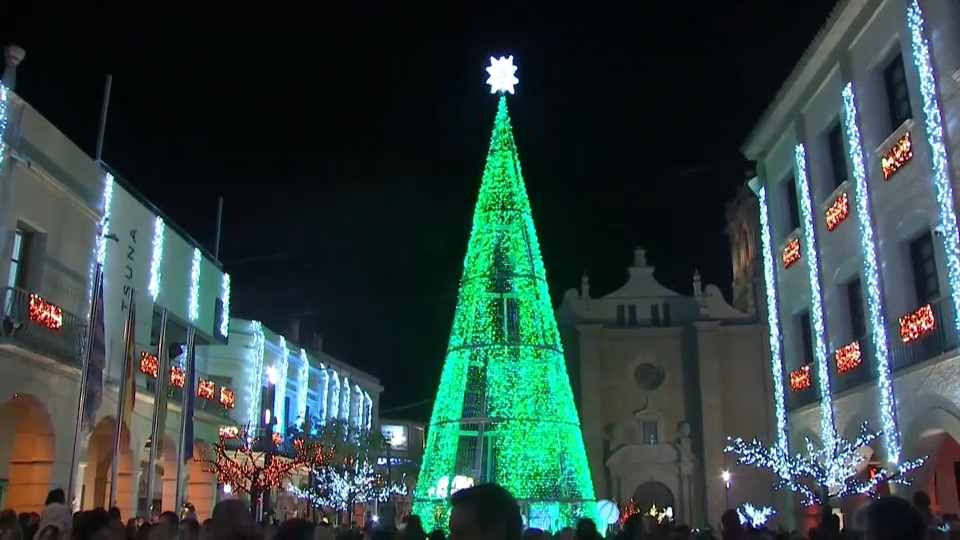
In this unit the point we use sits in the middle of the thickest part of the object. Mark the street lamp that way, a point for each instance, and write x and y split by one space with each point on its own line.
726 485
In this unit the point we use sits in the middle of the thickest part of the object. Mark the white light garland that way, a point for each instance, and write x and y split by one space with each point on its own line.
322 392
193 304
255 378
933 121
156 260
225 305
100 245
754 516
824 472
360 420
828 431
368 403
345 399
303 383
334 395
871 277
773 320
280 396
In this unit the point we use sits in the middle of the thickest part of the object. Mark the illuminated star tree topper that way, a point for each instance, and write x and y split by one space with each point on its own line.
503 74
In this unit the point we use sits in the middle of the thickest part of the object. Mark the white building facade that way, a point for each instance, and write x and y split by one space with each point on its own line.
661 380
54 203
857 187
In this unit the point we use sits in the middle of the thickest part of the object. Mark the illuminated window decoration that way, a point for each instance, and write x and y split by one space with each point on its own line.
345 397
4 121
100 245
848 357
800 379
368 406
773 320
828 430
303 384
205 390
824 472
938 152
156 260
334 395
280 396
791 253
227 398
323 391
229 432
838 212
505 346
193 306
225 305
897 156
177 377
42 312
503 74
149 364
255 377
871 275
916 324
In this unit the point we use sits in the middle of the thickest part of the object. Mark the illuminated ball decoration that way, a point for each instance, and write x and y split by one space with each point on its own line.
505 361
608 512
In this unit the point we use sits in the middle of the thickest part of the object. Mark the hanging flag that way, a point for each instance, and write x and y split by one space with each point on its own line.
96 360
129 386
189 400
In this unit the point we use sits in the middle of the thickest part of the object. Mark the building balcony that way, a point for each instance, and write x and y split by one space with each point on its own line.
852 365
36 325
923 334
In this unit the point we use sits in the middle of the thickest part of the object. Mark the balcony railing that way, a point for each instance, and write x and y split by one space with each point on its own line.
929 342
855 365
809 394
34 324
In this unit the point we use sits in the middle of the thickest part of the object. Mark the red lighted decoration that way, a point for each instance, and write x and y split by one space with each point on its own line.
848 357
917 324
838 212
229 432
791 253
205 390
227 398
800 379
177 377
45 313
897 156
149 364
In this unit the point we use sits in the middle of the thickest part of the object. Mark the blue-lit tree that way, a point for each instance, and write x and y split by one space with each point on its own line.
821 473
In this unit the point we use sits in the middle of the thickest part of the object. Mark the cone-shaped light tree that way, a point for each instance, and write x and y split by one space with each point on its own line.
504 411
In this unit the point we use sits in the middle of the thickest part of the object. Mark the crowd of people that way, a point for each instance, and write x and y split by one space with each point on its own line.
482 512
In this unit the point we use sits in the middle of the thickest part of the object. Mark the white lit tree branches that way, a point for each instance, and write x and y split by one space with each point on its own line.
823 472
349 478
342 486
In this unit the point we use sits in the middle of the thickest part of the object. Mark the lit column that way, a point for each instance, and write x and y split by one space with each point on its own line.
871 276
828 431
933 121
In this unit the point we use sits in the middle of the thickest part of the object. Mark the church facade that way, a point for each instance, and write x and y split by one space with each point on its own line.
661 379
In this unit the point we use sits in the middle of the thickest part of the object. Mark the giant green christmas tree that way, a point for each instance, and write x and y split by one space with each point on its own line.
505 411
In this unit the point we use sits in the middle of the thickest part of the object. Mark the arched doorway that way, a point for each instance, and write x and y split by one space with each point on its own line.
653 493
27 453
98 472
935 433
201 486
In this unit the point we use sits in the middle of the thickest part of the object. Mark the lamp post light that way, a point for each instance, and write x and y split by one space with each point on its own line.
726 484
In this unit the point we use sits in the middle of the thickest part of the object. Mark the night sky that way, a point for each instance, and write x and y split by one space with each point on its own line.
349 144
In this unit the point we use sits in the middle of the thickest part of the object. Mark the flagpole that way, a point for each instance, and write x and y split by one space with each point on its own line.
163 374
190 385
84 372
103 119
128 335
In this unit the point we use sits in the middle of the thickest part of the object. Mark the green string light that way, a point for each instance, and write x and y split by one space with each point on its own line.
504 411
